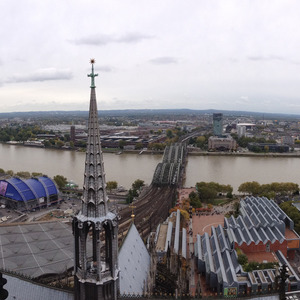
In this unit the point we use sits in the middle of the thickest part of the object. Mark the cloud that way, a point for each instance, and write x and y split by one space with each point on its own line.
266 58
164 60
242 100
133 38
105 39
42 75
105 69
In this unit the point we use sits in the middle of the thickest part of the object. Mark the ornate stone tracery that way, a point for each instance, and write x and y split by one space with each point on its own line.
95 229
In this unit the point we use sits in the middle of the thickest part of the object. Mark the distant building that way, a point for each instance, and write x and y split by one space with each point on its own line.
241 131
267 147
218 124
221 143
287 140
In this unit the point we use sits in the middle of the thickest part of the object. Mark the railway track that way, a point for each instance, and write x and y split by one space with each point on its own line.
149 210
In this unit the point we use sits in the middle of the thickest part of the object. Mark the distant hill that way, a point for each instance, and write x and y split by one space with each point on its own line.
142 113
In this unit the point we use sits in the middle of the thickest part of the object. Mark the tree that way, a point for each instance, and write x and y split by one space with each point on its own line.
10 172
210 190
250 188
122 143
47 143
236 207
195 200
242 259
36 174
60 180
156 146
266 148
2 171
23 174
201 141
111 185
139 146
67 137
131 195
206 193
138 184
59 143
169 133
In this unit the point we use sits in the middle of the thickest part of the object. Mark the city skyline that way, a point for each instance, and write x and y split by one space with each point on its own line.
226 55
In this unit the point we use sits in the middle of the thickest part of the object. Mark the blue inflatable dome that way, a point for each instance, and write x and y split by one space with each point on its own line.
36 191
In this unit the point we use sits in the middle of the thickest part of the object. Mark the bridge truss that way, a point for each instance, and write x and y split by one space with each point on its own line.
168 171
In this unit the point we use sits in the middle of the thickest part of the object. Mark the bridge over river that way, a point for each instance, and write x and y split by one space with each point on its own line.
153 205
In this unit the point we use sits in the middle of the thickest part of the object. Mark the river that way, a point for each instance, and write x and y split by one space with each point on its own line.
126 168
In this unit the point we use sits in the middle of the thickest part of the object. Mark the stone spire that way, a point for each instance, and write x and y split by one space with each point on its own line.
95 229
94 187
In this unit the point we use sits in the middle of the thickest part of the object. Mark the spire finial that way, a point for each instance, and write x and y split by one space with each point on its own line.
132 214
92 75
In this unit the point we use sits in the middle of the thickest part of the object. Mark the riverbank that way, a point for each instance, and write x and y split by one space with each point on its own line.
245 154
160 152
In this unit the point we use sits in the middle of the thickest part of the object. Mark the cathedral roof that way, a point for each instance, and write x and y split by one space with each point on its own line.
134 263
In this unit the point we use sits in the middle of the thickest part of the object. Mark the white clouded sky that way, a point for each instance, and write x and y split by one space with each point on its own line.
198 54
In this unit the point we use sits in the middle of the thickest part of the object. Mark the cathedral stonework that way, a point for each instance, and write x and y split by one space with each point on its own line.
95 228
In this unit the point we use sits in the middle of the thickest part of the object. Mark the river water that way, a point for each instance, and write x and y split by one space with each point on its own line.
126 168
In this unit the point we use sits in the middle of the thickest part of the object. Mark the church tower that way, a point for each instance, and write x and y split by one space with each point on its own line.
95 229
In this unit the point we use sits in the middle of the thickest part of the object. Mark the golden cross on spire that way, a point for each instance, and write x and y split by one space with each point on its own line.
132 207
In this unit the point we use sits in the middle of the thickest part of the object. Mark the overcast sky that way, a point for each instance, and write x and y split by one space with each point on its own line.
197 54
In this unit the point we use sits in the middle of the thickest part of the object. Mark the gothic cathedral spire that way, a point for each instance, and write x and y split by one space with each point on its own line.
95 229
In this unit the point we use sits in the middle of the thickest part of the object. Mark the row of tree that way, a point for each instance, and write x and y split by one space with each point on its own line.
21 174
207 191
17 132
269 190
210 190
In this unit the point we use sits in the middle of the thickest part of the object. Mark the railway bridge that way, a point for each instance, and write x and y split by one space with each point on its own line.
153 206
167 173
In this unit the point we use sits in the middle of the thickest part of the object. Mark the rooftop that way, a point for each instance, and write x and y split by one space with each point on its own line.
36 249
